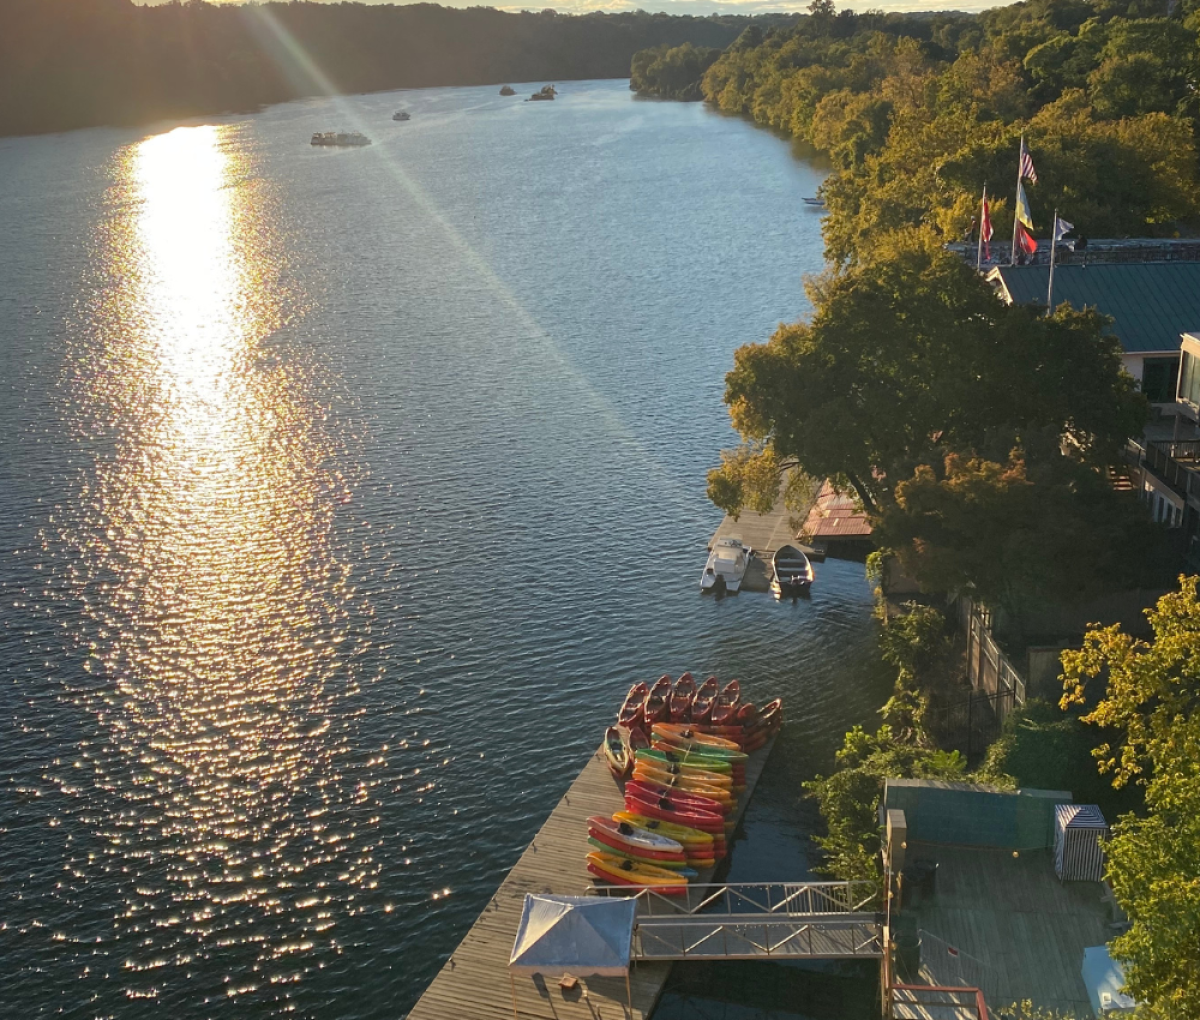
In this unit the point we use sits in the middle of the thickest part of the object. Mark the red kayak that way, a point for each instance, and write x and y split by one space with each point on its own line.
724 711
747 714
631 714
668 812
656 706
635 740
682 697
616 752
684 798
706 697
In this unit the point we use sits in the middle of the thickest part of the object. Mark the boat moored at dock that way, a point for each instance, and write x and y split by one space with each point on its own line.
726 565
793 573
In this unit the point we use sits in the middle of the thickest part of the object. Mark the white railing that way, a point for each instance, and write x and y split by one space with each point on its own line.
753 937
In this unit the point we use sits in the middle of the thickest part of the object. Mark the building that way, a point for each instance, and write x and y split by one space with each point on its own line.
1151 303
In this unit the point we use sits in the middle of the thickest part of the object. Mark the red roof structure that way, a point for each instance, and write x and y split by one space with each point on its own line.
835 515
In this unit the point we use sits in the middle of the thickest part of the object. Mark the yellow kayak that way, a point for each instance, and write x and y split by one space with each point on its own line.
689 837
682 731
622 871
721 794
717 779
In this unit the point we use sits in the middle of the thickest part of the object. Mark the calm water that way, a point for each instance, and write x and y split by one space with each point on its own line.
342 495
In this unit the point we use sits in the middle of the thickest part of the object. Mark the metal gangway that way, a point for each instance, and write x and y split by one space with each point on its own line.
760 920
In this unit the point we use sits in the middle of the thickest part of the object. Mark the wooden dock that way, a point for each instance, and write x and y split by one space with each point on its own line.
764 533
474 983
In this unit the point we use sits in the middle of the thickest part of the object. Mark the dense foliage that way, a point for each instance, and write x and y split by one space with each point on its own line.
74 63
945 410
1146 698
671 72
918 113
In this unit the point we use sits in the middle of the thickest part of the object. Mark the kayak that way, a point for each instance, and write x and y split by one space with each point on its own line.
706 697
672 811
610 868
618 832
616 753
725 707
695 748
747 714
631 714
683 868
696 734
721 794
686 762
698 854
681 698
690 839
713 780
655 709
683 798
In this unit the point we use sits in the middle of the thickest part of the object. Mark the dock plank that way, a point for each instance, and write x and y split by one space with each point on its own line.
474 983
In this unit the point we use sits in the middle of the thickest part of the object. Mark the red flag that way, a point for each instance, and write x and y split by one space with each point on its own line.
985 230
1025 241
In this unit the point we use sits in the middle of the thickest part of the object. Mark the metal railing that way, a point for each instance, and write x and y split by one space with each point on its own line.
755 937
1176 462
789 899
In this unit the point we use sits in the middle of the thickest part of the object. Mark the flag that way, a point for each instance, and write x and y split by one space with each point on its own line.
1025 242
1023 213
1027 172
985 230
1062 228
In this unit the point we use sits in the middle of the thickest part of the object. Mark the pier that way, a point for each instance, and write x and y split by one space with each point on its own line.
474 985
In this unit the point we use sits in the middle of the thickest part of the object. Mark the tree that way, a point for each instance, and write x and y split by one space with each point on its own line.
910 356
1147 696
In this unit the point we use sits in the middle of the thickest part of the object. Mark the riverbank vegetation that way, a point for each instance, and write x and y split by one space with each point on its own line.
77 63
917 114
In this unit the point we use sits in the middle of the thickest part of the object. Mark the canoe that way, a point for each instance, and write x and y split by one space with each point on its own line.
684 869
683 798
682 695
616 753
694 734
725 707
747 714
631 714
638 839
705 698
690 839
656 707
635 740
618 870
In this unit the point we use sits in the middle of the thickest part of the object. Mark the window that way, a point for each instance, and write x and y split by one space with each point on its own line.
1159 376
1189 380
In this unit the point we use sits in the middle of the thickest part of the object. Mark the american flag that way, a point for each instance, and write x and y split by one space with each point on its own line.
1027 171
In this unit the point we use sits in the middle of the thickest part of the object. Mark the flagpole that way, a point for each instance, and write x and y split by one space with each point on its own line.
1016 200
1050 287
979 247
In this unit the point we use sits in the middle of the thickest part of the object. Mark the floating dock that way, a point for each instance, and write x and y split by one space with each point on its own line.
474 983
765 533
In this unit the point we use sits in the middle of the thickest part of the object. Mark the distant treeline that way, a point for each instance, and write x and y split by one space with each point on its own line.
918 113
77 63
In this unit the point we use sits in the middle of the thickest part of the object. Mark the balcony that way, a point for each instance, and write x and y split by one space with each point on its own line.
1177 463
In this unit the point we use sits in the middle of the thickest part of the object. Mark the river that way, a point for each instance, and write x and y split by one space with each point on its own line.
342 495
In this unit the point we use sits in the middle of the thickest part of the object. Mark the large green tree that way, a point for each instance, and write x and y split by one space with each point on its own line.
910 356
1146 694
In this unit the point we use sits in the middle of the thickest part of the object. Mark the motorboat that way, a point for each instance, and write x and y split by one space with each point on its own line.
545 92
401 115
340 138
507 90
793 572
816 203
726 565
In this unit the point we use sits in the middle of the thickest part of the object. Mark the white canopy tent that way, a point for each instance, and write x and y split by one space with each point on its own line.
584 934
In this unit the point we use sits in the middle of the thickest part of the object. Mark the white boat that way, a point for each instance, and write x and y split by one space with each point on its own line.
726 565
793 573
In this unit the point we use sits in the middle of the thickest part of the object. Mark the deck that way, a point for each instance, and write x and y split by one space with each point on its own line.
1005 924
474 982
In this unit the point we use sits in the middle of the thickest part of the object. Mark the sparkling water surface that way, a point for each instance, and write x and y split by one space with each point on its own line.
342 495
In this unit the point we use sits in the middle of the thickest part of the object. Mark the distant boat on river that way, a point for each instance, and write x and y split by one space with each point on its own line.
401 115
340 138
545 92
816 203
507 90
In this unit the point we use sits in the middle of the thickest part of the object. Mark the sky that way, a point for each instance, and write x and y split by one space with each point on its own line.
705 7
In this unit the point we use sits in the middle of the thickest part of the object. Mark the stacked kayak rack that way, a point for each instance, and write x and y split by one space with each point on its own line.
680 750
